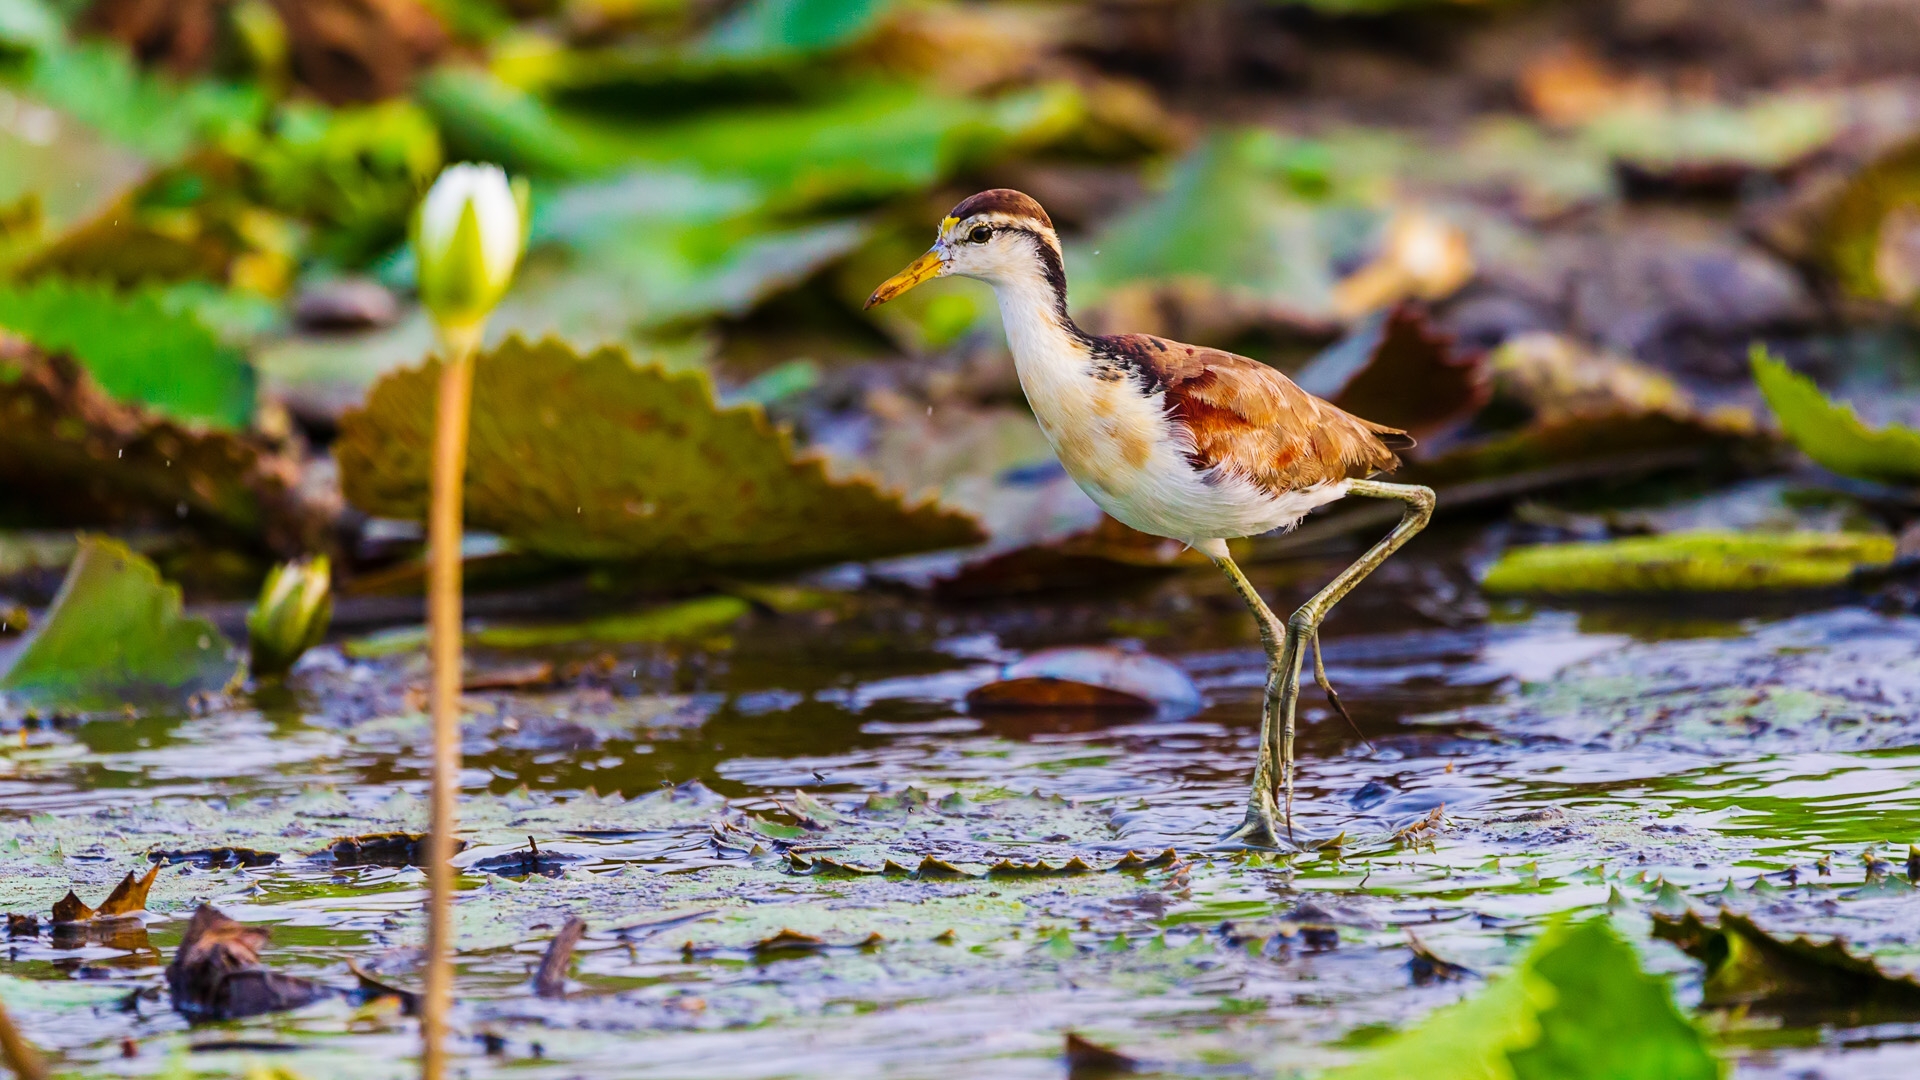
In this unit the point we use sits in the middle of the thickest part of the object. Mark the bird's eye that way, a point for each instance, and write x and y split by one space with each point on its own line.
980 234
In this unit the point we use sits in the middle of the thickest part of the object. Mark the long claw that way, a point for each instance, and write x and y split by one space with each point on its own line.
1333 698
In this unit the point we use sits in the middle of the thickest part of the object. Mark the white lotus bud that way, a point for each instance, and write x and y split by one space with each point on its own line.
467 238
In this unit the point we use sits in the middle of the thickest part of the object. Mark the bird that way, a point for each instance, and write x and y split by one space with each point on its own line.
1196 444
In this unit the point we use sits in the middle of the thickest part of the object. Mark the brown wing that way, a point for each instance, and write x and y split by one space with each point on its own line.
1248 418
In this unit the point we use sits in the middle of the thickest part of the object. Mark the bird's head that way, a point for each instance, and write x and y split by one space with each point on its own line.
1001 237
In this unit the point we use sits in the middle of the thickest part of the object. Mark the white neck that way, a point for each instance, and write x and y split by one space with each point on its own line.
1036 333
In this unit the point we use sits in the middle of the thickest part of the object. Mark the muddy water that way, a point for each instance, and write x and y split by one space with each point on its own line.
1624 758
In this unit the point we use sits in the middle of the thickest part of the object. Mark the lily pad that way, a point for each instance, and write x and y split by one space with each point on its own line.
1749 968
116 635
595 458
1578 1008
1832 434
136 350
779 29
1689 562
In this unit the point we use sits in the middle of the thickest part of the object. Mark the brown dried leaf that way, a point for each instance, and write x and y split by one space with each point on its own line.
216 972
1402 372
360 50
128 898
79 457
384 849
1087 1060
550 981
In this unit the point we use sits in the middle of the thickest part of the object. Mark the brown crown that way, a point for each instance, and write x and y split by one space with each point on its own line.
1002 201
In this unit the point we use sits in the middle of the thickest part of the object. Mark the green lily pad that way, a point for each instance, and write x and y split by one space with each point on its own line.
674 622
1578 1008
1224 220
136 349
595 458
779 29
1689 562
1750 969
97 84
1832 434
115 636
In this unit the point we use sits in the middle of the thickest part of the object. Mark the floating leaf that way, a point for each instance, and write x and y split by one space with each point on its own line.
778 29
596 458
1749 968
136 350
115 635
1578 1008
216 973
128 898
97 84
1832 434
1689 562
1102 678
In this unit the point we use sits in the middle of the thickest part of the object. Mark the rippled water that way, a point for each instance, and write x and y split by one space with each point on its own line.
1580 758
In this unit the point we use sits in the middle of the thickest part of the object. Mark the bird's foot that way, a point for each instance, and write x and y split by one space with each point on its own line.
1258 832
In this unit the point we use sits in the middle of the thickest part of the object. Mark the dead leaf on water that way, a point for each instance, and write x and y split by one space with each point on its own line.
1747 967
128 898
550 980
1399 369
1100 678
216 973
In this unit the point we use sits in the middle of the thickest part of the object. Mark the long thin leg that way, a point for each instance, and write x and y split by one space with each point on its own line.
1303 628
1262 813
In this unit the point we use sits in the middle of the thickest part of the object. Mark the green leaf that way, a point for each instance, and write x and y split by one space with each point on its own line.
684 621
114 636
596 458
29 25
1223 220
291 616
1832 434
135 349
778 29
1688 562
1578 1008
98 84
1609 1020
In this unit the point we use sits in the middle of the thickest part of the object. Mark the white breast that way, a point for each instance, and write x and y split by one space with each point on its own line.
1126 453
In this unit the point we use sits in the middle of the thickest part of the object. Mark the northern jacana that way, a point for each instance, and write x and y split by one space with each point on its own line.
1181 441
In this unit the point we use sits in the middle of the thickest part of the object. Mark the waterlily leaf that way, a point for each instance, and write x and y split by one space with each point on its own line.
1578 1008
1224 222
1865 232
868 142
29 24
781 29
72 455
1102 678
596 458
674 622
115 635
97 84
135 349
1749 968
1689 562
1697 144
1832 434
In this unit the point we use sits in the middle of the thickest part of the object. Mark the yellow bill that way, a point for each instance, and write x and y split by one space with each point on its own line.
922 268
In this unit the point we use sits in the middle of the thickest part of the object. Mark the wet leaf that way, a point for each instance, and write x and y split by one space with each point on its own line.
550 980
1808 983
1832 434
1398 369
384 849
1712 145
643 466
127 898
1689 562
1087 1060
216 972
217 858
688 620
136 350
1101 678
1577 1008
116 635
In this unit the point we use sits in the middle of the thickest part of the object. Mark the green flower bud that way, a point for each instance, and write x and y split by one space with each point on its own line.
467 238
295 606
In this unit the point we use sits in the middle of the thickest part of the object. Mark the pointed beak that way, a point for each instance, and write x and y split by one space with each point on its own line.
921 269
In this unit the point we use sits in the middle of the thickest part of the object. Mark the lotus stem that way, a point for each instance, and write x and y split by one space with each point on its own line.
17 1052
443 630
